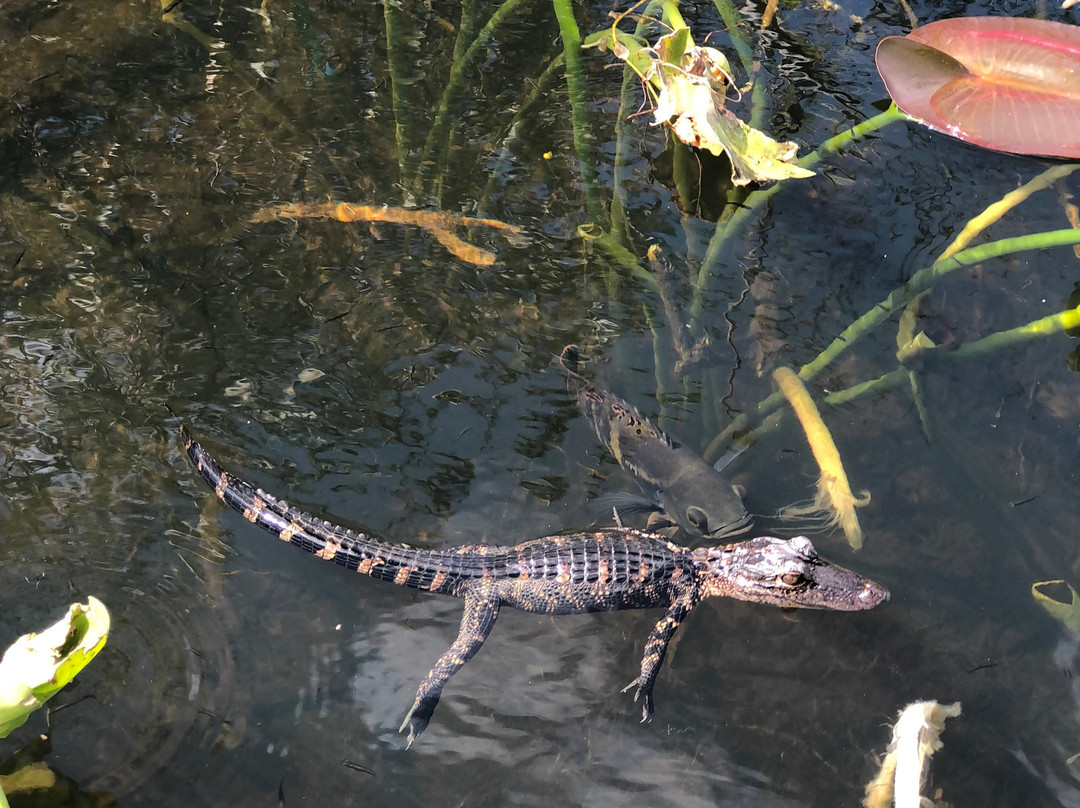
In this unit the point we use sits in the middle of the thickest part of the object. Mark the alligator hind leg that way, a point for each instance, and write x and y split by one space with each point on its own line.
481 609
655 649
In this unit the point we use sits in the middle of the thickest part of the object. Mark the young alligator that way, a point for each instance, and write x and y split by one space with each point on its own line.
682 488
602 570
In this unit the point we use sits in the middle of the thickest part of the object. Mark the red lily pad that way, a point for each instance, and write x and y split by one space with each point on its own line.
1001 83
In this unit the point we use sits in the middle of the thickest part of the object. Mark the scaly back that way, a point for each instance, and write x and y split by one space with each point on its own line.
593 571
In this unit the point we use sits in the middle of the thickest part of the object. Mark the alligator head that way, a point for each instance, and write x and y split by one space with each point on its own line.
784 572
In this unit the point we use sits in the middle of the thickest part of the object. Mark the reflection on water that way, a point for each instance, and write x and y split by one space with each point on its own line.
363 372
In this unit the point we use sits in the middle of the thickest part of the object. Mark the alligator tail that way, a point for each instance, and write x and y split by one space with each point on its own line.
396 563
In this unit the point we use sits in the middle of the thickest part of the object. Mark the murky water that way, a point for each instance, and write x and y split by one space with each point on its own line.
364 372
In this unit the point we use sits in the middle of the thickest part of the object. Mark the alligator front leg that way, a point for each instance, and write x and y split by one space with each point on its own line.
481 609
655 649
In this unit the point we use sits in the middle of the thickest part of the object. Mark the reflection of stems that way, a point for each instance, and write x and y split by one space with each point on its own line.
733 23
627 100
750 207
395 65
465 33
579 114
921 280
679 338
538 91
683 170
455 85
241 70
627 97
617 253
466 28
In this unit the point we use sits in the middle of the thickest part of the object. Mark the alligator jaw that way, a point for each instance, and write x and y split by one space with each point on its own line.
787 573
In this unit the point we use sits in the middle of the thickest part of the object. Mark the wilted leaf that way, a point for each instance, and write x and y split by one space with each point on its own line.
690 106
690 84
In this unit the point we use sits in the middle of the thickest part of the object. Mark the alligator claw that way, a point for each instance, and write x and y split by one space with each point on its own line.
416 720
645 695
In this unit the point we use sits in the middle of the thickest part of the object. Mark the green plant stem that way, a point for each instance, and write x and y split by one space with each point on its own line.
927 277
994 212
724 232
672 16
1043 327
579 113
455 86
921 280
732 21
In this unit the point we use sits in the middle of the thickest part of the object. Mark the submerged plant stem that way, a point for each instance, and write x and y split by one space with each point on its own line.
1043 327
725 230
921 280
927 277
994 212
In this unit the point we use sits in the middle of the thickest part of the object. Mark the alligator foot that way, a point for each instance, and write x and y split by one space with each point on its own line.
418 718
644 694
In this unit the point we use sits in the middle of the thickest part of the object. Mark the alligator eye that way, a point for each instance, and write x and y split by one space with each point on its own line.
792 579
698 519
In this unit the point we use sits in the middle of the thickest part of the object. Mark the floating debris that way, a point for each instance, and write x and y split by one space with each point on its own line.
438 222
905 769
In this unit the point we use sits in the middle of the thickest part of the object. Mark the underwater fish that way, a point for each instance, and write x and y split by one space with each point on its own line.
681 488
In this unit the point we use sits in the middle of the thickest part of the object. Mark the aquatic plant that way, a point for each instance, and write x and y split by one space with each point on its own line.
834 496
38 665
688 86
1003 83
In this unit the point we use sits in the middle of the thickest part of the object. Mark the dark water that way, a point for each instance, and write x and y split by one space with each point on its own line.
365 373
